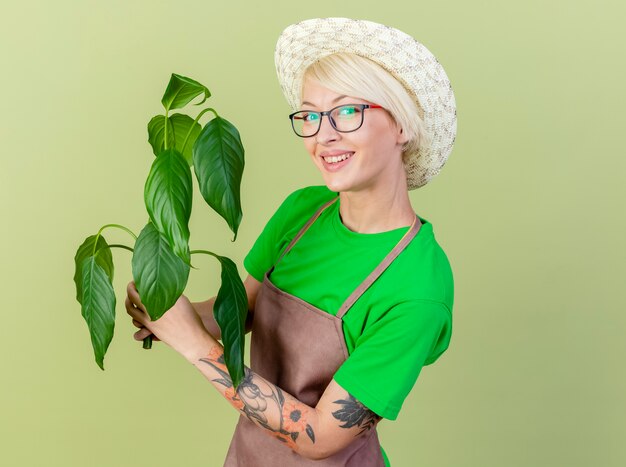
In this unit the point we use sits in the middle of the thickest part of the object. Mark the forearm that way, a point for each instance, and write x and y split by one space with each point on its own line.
273 410
205 311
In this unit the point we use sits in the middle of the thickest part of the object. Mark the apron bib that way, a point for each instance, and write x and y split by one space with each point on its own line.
298 348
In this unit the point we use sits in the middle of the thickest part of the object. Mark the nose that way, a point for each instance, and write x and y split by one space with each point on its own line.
327 132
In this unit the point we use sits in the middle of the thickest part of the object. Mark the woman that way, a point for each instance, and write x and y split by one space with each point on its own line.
357 302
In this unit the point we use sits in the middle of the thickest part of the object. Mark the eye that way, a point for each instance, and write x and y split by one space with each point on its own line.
348 111
309 116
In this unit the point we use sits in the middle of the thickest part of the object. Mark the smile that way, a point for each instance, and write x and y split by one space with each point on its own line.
339 158
336 162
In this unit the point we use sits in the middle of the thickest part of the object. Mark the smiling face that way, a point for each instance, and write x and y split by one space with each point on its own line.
374 151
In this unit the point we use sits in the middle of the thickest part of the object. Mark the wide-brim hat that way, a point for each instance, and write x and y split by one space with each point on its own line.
409 61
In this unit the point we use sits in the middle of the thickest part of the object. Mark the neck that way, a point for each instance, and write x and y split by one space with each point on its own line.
375 211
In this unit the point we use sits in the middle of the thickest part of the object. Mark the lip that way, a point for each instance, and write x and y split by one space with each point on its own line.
329 166
335 152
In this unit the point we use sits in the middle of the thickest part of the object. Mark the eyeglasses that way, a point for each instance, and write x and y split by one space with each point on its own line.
343 118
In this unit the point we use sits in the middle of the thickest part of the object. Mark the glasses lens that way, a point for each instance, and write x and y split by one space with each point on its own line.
306 123
347 117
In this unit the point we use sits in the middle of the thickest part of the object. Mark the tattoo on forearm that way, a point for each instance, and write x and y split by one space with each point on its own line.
262 402
353 413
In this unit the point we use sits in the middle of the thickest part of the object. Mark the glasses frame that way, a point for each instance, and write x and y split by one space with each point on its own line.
330 119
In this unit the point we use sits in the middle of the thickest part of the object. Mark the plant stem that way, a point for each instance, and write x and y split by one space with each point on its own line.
93 252
182 151
116 245
206 252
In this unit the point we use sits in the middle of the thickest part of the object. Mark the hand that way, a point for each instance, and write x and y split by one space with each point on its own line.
205 313
143 331
180 327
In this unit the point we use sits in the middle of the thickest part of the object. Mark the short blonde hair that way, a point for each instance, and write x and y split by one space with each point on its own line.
357 76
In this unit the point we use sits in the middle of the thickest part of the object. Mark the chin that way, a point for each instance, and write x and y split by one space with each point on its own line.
338 185
334 188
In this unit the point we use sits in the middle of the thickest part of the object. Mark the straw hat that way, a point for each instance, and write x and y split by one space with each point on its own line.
412 64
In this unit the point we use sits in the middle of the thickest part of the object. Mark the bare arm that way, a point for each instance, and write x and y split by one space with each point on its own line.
205 309
313 432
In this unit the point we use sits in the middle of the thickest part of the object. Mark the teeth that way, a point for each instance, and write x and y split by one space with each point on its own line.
335 159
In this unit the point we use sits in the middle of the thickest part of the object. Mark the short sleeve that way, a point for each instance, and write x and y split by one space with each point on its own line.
263 253
389 355
290 216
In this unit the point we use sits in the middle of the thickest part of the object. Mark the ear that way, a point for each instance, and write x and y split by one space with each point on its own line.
402 138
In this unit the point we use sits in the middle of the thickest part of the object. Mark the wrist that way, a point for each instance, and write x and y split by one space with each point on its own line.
200 348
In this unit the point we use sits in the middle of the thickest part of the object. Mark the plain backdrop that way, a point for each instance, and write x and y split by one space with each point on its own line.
529 209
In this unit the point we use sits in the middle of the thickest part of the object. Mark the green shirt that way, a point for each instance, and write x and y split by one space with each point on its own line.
401 323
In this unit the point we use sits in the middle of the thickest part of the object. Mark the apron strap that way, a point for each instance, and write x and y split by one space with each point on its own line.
369 280
302 231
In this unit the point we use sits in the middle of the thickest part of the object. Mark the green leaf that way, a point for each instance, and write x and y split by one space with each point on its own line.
160 276
168 198
230 311
156 133
98 306
103 258
178 126
218 158
181 90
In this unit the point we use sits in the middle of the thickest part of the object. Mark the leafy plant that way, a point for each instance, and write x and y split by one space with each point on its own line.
161 256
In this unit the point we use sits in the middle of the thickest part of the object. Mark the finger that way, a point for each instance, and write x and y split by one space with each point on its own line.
133 295
142 334
136 313
128 304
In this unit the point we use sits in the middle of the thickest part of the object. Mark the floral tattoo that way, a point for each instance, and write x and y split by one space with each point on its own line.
260 401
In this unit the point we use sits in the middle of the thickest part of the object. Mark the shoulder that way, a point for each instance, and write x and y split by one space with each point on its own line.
310 197
293 212
302 203
423 271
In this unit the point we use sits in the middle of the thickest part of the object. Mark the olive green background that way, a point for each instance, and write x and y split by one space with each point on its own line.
529 208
